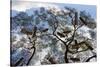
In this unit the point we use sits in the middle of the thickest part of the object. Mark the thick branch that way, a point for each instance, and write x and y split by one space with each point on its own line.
66 52
31 56
33 43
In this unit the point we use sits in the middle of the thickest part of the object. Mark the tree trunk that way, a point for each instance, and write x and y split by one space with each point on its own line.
66 52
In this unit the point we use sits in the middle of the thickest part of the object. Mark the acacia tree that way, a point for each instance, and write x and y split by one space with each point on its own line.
77 22
60 26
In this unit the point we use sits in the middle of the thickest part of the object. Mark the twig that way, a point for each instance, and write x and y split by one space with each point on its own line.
94 56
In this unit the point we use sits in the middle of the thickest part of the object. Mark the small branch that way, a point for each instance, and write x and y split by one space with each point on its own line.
83 42
88 45
94 56
77 51
55 28
79 26
59 39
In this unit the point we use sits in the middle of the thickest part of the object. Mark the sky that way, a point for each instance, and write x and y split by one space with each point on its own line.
23 5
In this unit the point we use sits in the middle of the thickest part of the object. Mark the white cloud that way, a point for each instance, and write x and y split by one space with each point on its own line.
23 5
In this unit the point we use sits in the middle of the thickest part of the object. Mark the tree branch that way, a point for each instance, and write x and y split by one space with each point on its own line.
77 51
94 56
33 43
31 55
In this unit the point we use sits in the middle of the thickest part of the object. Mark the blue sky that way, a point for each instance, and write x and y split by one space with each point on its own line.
91 9
23 5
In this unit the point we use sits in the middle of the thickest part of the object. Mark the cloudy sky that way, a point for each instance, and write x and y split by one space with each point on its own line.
23 5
